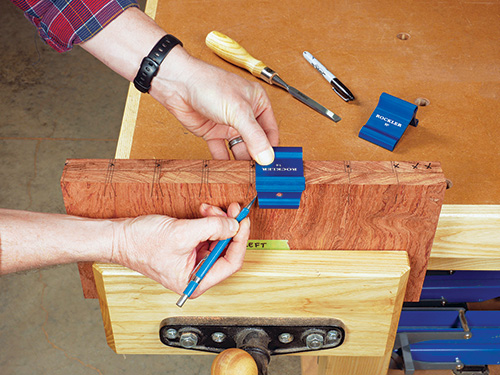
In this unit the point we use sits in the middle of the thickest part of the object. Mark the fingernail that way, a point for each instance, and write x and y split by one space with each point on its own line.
234 226
265 157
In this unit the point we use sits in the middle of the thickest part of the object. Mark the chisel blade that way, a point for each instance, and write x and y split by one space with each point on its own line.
313 104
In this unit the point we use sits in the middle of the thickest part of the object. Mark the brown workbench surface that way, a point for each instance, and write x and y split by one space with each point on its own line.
451 58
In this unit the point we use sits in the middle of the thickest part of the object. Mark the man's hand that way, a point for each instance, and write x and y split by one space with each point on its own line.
218 106
160 247
167 250
208 101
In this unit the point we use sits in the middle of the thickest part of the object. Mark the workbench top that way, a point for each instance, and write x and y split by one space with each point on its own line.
444 55
448 55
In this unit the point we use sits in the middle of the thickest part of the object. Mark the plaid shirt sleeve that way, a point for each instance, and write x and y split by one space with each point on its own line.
62 23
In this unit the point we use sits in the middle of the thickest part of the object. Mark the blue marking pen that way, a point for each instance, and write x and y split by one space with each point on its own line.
206 263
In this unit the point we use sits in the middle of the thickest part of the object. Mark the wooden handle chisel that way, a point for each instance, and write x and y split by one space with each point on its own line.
234 53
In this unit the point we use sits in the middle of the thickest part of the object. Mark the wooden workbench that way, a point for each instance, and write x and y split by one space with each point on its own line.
446 55
449 57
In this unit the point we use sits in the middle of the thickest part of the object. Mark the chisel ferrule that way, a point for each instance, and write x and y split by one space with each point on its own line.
267 74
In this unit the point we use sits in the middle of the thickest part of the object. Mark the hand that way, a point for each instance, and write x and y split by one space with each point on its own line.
167 249
218 106
208 101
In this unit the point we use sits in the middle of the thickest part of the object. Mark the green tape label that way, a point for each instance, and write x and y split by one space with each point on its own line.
268 245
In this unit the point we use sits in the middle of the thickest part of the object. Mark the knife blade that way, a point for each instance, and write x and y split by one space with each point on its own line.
233 52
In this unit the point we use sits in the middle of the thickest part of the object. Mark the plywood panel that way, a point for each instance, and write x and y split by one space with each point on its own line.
364 289
346 205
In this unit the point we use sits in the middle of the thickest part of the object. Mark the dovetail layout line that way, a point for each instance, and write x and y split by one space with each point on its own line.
155 185
109 176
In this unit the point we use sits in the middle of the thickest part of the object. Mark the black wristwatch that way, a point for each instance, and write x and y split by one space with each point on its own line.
151 63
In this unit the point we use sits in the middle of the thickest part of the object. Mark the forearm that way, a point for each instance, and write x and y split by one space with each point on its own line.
127 40
35 240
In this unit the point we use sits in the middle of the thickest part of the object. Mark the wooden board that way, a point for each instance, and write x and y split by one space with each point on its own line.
364 289
467 238
346 205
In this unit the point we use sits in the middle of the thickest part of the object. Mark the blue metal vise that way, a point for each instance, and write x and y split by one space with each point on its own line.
440 333
280 184
388 122
450 338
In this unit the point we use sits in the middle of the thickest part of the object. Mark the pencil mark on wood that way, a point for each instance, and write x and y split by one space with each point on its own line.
204 178
155 185
251 178
108 181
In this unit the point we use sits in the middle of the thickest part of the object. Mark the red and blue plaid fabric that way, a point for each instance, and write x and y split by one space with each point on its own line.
62 23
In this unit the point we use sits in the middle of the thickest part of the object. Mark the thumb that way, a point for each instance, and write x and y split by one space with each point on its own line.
212 228
256 140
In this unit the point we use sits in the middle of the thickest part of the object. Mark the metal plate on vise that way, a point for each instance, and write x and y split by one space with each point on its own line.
281 335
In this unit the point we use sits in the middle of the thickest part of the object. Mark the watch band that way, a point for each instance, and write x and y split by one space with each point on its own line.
151 63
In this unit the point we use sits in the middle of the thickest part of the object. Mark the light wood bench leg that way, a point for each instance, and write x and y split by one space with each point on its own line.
309 365
345 365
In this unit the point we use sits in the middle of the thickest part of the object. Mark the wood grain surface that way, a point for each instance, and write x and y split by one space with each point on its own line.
467 238
362 365
346 205
364 289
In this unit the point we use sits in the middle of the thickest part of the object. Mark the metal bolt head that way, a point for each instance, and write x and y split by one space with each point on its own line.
285 338
314 341
171 334
218 337
332 337
188 340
